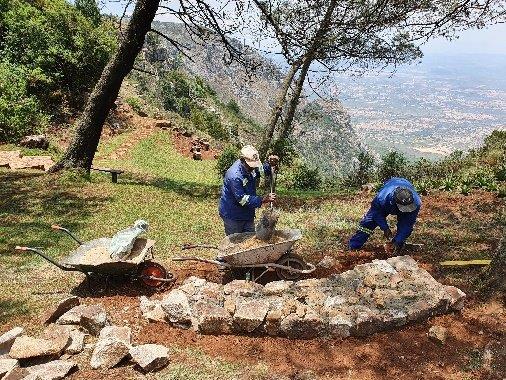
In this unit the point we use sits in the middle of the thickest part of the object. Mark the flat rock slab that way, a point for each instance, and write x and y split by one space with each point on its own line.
150 357
54 370
8 338
91 317
108 353
61 307
7 365
372 297
26 347
32 162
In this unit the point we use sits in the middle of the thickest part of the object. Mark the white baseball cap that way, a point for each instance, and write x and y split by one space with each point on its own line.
250 155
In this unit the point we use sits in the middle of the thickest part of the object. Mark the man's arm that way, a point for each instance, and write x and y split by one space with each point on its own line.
240 195
379 215
405 223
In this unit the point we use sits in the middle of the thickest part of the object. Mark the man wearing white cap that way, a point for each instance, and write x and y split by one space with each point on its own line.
238 196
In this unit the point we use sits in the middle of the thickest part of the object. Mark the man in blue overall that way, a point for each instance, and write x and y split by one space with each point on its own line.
238 196
396 197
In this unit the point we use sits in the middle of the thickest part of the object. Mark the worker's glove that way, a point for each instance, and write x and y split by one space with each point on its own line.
269 198
273 160
388 234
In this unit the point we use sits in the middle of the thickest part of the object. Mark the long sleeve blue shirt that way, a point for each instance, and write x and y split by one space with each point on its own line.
383 205
239 199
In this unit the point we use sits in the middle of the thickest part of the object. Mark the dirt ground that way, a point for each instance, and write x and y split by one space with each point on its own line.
475 348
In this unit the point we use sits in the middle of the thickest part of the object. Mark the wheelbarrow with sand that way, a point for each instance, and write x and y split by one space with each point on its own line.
244 251
93 259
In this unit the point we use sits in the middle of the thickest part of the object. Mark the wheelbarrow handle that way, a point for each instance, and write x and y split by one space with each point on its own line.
39 252
57 227
192 246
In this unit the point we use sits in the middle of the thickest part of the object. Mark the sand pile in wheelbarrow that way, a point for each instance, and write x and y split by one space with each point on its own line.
254 242
95 256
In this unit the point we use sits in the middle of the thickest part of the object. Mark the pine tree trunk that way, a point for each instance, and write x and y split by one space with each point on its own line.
311 54
82 149
277 110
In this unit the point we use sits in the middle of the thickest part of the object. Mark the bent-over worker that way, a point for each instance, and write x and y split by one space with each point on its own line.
238 196
397 197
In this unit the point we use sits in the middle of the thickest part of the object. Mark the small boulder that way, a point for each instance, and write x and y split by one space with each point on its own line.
61 308
7 365
35 141
211 319
76 342
277 287
122 334
26 347
150 357
242 288
163 124
92 317
18 373
438 334
177 308
108 353
59 335
297 326
250 314
8 338
54 370
152 310
456 297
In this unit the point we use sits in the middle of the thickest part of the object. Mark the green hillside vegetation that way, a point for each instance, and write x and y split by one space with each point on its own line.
51 54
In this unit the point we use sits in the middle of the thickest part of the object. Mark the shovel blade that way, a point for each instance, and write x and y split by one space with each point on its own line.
266 225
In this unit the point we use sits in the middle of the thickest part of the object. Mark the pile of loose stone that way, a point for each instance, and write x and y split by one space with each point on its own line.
372 297
71 329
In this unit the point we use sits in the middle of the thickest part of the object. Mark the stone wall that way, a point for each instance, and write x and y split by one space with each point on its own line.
372 297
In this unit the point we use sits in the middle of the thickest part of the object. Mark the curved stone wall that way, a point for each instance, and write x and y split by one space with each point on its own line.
371 297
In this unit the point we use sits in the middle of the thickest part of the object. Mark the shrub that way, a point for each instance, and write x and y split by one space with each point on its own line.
394 164
422 186
135 103
56 39
20 113
448 184
362 171
209 122
285 150
233 107
306 178
229 155
175 91
465 189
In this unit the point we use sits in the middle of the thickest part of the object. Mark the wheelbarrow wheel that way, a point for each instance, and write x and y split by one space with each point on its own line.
293 261
152 274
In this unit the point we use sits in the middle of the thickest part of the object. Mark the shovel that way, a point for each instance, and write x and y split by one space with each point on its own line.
267 223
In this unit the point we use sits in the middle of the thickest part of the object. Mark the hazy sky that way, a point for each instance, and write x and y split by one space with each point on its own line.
485 41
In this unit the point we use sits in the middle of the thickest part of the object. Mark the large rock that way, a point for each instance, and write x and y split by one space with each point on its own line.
152 310
8 338
211 319
150 357
277 287
26 347
297 326
108 353
177 307
59 335
7 365
61 308
54 370
76 342
92 317
242 288
122 334
6 156
250 314
35 141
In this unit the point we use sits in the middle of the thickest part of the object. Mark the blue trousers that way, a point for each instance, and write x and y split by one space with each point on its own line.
238 226
368 225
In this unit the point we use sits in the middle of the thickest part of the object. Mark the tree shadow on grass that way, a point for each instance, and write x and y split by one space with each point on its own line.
194 190
31 202
11 308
